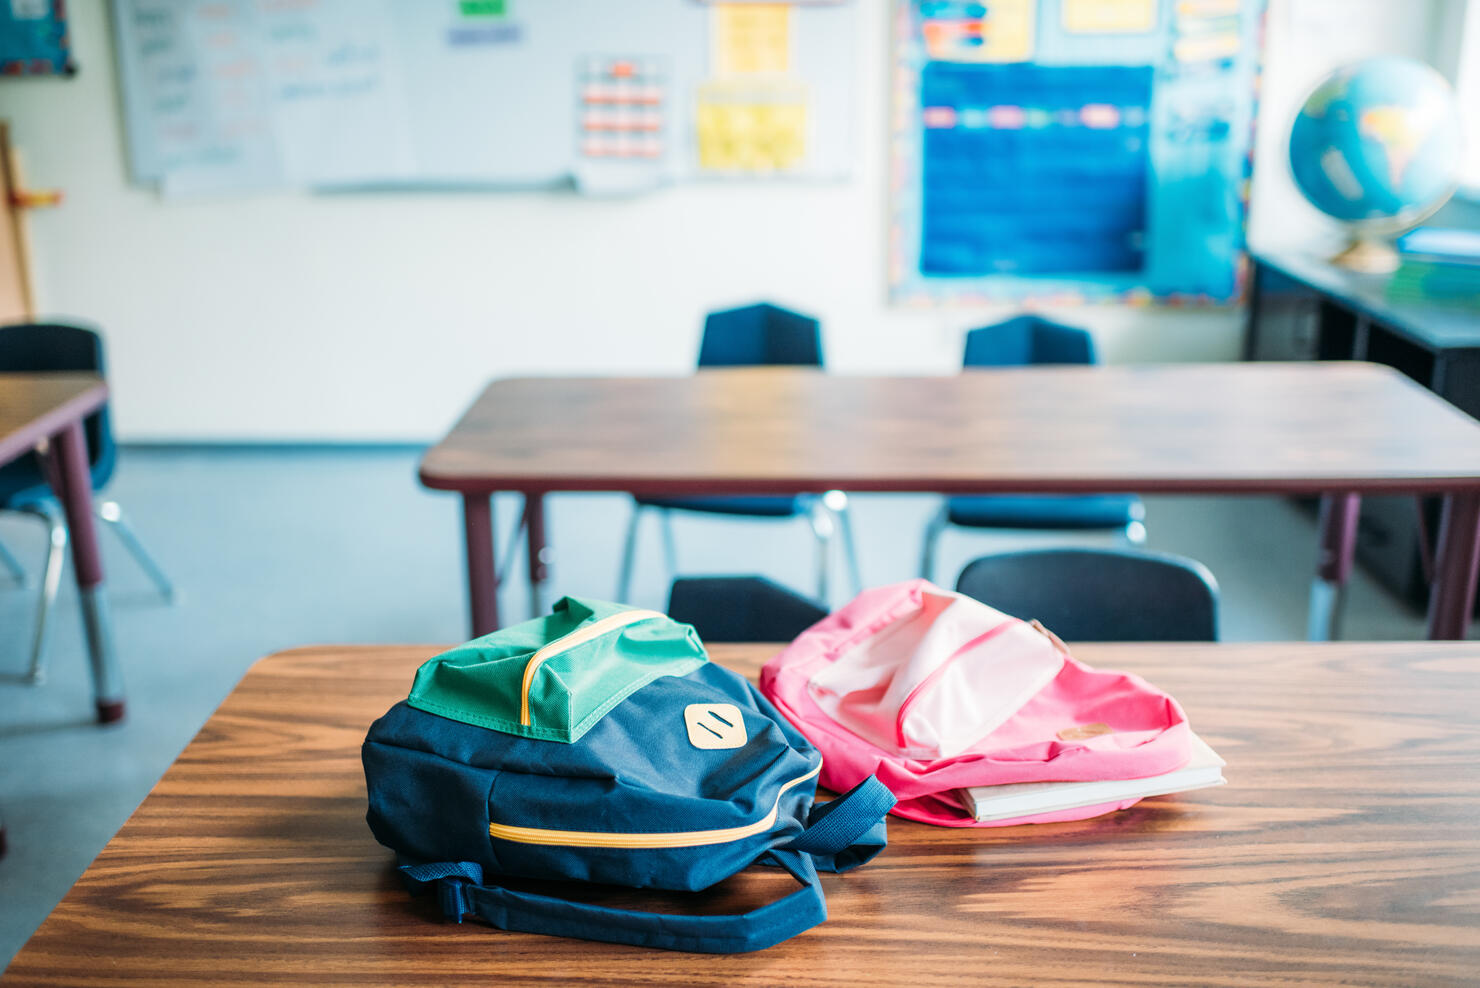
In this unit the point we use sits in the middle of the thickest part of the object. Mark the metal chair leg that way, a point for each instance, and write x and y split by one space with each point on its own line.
17 571
670 544
110 512
823 528
933 530
837 503
629 556
511 549
51 581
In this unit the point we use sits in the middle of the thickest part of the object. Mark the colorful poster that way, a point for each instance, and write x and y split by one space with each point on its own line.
1109 16
962 31
752 38
1103 168
34 39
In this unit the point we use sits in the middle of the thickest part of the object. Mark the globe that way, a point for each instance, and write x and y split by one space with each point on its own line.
1377 145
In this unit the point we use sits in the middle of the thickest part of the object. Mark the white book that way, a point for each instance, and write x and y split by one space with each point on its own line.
1203 769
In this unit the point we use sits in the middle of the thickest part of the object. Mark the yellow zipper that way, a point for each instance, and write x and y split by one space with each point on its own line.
569 641
682 838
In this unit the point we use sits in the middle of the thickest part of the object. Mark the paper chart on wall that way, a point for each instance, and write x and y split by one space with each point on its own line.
335 77
622 126
752 128
1109 16
752 38
198 103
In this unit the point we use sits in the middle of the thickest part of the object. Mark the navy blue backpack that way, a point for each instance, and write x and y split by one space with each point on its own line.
599 744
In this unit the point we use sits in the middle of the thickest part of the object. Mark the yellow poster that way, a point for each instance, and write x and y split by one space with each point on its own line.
751 128
752 38
1109 16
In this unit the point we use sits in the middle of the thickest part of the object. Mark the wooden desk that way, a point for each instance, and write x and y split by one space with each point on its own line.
49 409
1344 849
1334 429
1302 307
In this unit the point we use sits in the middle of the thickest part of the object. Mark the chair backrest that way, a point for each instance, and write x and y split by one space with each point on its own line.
760 334
1100 594
742 609
1028 340
26 347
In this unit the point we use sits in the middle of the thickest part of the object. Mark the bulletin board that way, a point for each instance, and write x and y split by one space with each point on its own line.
1063 151
34 39
227 96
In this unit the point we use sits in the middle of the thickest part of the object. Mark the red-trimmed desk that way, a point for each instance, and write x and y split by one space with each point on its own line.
1343 850
1338 430
45 411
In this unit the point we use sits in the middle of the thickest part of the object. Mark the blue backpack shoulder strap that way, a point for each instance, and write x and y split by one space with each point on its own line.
849 830
461 892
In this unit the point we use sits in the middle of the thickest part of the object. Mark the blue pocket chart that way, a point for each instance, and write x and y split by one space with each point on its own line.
1072 150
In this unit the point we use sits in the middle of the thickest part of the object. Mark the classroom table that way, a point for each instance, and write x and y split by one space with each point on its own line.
1342 850
45 411
1334 429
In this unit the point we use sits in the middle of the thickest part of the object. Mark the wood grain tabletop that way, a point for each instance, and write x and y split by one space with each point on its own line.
1210 428
1344 849
35 406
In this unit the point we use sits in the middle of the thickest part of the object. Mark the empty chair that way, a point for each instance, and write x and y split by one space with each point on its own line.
1019 342
29 347
754 335
742 609
1088 594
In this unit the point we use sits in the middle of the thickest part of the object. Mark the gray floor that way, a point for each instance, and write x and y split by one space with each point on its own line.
276 548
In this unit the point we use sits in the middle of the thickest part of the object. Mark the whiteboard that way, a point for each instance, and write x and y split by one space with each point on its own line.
232 96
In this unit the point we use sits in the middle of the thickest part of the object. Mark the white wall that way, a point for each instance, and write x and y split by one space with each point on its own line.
378 317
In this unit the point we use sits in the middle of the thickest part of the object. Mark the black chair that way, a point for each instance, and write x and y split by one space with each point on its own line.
31 347
1018 342
1100 594
742 609
754 335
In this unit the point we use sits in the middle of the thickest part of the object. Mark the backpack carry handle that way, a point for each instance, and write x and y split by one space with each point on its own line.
461 891
848 831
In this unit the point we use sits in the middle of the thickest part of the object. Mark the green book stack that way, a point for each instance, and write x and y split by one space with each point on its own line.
1439 267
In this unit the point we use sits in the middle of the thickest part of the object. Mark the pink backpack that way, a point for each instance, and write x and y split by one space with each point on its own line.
932 691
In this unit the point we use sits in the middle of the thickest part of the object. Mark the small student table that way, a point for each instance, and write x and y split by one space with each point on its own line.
1342 850
47 410
1303 307
1338 430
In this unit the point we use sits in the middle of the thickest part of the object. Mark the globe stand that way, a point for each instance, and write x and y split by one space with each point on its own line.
1367 255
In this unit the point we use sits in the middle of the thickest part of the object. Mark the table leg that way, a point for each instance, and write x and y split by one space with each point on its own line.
1452 596
1338 543
482 578
67 453
539 552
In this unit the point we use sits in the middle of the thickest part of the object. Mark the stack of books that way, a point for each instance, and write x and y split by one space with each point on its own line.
1439 267
1008 802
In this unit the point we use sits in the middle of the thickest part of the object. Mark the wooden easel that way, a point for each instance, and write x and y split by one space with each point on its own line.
17 291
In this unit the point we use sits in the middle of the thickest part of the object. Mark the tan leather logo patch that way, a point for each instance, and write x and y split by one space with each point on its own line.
1080 732
714 725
